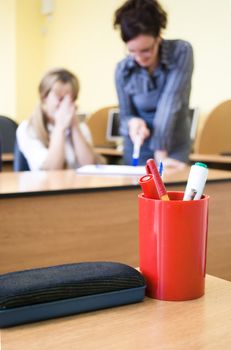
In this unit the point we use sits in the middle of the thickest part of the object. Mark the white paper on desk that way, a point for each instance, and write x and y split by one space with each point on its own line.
111 170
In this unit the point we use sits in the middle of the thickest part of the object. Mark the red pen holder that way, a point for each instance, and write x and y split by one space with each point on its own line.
172 246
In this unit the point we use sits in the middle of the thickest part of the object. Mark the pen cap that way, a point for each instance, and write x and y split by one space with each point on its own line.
148 186
196 181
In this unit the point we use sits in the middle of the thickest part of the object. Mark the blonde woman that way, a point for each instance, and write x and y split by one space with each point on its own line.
53 138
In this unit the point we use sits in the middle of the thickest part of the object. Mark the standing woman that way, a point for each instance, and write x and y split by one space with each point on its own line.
153 85
53 138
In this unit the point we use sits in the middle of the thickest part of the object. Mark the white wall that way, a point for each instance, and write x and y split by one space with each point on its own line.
7 58
80 36
207 25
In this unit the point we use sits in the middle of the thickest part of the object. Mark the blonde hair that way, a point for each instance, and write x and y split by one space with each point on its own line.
37 119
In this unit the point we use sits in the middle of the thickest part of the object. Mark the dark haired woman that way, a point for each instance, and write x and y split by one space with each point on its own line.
153 85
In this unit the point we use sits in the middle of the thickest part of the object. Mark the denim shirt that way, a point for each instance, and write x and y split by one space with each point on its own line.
161 99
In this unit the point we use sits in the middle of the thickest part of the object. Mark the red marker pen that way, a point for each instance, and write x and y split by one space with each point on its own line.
148 186
152 169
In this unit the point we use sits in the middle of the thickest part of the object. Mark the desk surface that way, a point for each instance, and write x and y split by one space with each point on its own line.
7 157
198 324
64 180
213 158
106 151
83 222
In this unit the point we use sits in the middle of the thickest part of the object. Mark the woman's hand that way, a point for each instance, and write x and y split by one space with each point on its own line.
173 163
138 127
160 156
65 113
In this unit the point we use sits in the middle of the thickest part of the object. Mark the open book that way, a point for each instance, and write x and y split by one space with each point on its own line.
111 170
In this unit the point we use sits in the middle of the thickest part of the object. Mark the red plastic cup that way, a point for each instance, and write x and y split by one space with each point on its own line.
173 246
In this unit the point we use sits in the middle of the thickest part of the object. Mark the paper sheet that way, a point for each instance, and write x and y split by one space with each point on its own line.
112 170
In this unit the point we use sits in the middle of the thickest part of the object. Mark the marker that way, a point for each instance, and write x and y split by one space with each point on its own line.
161 168
196 181
152 169
136 151
148 186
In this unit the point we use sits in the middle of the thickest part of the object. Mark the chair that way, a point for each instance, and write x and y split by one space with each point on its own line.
97 123
215 137
7 134
194 119
194 116
20 162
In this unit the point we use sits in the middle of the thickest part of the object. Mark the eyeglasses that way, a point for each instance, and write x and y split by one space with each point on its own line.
145 52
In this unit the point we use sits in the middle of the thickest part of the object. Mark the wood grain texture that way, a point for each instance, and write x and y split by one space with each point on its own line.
198 324
216 158
62 180
49 230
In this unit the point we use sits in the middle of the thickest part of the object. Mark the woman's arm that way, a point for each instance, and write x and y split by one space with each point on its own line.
83 150
130 123
55 156
176 90
56 151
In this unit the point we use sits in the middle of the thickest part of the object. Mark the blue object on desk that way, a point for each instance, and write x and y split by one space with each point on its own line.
135 161
161 168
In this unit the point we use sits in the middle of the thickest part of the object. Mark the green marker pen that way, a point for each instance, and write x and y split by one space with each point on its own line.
196 181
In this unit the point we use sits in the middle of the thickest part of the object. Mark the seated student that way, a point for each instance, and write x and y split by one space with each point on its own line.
153 84
53 138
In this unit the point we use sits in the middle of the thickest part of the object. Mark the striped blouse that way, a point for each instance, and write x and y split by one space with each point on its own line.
161 98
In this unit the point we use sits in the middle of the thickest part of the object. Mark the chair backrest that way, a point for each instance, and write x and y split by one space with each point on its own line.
194 119
7 134
97 123
215 135
20 162
194 116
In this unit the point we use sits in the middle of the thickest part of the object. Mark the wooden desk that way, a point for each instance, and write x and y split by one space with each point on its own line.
198 324
7 162
68 181
60 217
214 160
112 155
7 157
106 151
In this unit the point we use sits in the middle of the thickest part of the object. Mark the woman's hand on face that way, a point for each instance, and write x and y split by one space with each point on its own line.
65 113
138 127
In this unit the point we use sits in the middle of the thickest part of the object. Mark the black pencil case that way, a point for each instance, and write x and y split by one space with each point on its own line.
44 293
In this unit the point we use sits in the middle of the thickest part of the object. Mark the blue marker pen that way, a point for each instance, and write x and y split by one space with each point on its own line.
161 168
136 151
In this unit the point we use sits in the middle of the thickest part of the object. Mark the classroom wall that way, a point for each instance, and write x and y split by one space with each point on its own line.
7 58
207 25
79 36
29 55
